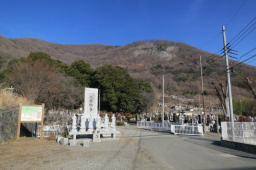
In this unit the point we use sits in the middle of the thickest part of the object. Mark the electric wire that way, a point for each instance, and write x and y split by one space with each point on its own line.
249 58
243 31
248 52
238 39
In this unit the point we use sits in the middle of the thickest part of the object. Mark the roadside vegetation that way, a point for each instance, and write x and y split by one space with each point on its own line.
245 107
9 100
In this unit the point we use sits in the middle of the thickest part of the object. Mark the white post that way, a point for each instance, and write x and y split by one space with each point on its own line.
106 121
113 123
74 123
99 103
74 129
83 119
98 122
163 105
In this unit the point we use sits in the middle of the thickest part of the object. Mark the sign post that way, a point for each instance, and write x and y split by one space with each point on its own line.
31 114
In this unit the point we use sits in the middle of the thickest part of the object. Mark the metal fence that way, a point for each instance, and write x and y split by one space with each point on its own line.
154 125
187 129
50 130
184 129
243 132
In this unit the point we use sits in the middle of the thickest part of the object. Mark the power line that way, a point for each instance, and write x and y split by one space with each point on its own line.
244 32
248 52
237 11
249 58
237 39
241 39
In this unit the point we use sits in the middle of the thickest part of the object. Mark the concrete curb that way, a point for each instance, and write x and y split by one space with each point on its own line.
239 146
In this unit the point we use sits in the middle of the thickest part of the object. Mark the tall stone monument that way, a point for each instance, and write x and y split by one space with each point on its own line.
91 103
91 123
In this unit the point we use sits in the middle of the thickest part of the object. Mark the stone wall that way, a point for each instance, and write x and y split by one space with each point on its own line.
8 124
58 117
9 120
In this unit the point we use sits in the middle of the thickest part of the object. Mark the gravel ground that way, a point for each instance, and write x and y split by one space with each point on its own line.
125 153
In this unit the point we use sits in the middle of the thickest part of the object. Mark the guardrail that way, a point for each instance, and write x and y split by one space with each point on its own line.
243 132
184 129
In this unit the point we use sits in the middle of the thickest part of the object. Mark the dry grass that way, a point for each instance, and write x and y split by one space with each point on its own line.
8 100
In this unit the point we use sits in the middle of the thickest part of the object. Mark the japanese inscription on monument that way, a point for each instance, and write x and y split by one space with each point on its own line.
91 102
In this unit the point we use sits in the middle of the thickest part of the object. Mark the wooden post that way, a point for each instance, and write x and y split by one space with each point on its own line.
18 128
42 123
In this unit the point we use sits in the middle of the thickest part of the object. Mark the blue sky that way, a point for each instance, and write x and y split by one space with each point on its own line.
118 22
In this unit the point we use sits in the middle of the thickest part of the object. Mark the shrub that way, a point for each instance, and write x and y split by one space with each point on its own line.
9 100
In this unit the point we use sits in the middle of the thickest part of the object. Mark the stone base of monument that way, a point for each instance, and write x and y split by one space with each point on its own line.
109 134
63 141
96 137
92 128
72 142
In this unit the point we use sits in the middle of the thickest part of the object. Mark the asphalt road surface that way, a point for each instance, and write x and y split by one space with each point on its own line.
136 149
192 152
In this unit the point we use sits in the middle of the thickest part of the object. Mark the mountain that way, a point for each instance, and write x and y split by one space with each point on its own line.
146 60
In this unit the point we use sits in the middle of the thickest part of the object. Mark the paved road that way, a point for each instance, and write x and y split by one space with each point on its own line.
137 149
192 152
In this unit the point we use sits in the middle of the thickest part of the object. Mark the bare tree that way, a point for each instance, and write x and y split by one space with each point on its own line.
30 78
248 81
221 93
42 83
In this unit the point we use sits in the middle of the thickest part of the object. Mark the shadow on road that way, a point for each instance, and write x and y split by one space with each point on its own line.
238 152
215 144
246 168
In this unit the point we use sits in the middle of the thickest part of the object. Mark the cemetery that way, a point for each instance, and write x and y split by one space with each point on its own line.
92 141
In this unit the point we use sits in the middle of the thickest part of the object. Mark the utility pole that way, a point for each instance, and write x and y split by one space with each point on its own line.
228 79
163 105
199 103
202 92
99 103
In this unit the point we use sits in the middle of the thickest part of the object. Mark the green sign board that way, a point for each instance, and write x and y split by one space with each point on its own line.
31 113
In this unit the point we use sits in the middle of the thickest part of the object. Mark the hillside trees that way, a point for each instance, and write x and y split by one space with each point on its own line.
147 95
1 67
38 79
251 86
81 71
119 91
42 79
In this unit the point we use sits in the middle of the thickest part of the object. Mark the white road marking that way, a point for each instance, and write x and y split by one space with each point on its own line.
228 155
